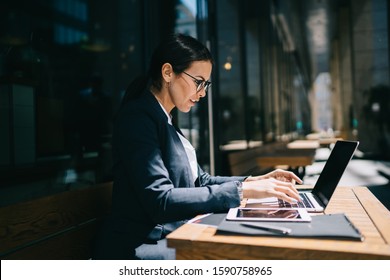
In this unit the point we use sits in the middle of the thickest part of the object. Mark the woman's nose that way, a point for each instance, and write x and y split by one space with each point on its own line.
202 93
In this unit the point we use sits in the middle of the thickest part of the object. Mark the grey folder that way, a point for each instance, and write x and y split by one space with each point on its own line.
332 226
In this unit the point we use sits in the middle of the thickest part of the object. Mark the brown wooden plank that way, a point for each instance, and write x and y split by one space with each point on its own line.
75 244
347 202
191 242
241 156
234 252
243 163
292 161
25 222
285 156
378 213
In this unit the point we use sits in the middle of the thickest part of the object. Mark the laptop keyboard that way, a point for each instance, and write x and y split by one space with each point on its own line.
305 203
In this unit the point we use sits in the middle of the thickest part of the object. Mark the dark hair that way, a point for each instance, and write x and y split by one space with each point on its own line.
180 51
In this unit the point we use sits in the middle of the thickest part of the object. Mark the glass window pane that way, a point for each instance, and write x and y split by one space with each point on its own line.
253 80
231 115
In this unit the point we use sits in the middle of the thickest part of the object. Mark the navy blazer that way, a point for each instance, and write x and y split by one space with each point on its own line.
153 190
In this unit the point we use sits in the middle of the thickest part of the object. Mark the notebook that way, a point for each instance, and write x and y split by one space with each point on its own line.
333 226
318 198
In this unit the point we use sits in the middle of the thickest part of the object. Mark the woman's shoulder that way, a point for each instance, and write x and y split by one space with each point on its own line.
144 102
145 106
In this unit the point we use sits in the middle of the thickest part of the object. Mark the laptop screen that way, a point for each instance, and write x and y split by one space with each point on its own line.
334 169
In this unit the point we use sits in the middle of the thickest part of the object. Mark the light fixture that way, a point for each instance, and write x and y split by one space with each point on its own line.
228 64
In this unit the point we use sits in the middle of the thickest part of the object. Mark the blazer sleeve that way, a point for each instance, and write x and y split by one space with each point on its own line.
206 179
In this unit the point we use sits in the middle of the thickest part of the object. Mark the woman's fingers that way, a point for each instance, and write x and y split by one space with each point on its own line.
279 174
271 187
289 185
284 196
289 193
283 175
285 191
287 175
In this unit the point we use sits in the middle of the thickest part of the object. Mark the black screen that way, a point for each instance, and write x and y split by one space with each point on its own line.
334 169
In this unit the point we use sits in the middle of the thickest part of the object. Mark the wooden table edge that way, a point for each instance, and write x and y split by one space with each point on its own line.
201 234
268 250
377 212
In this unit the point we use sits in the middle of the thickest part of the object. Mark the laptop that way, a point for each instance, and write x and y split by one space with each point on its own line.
318 198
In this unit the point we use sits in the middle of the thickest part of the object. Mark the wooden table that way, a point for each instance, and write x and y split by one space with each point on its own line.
289 158
196 241
294 159
304 144
326 142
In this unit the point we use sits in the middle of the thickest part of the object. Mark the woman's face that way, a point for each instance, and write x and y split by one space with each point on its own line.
183 89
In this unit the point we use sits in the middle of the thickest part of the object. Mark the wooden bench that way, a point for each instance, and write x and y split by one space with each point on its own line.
59 226
263 159
294 160
244 162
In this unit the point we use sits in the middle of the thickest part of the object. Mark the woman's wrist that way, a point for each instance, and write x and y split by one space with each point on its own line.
249 178
254 178
239 189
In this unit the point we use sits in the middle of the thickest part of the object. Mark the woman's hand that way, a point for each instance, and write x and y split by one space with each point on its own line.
270 187
279 174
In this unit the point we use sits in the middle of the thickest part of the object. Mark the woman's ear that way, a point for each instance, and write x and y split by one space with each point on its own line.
167 72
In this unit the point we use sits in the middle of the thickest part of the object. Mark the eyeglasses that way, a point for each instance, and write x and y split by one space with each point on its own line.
199 83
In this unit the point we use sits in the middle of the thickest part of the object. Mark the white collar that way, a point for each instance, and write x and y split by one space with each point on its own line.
166 113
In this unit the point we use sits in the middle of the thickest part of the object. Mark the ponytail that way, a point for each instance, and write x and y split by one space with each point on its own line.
135 89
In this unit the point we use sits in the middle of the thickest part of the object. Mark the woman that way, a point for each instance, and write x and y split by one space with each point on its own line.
158 184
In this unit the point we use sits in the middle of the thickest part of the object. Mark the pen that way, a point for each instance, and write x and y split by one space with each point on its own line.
282 230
